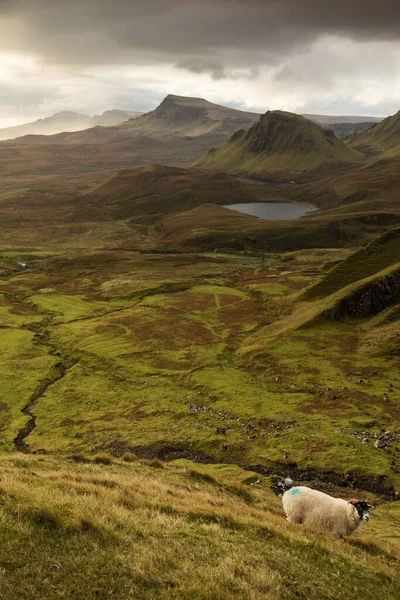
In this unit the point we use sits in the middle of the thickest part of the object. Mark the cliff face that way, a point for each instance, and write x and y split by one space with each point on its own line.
181 112
174 112
369 300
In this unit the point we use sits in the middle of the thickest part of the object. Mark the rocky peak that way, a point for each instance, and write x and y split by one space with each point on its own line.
279 131
174 109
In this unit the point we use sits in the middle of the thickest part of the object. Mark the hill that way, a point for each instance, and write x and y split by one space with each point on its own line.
156 190
282 145
66 121
381 138
376 256
95 527
347 129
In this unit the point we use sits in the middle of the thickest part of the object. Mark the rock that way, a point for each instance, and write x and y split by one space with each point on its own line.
380 443
220 431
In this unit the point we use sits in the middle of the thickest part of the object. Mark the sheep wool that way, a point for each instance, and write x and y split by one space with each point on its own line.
315 509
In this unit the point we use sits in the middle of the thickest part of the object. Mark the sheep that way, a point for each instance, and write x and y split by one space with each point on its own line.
316 509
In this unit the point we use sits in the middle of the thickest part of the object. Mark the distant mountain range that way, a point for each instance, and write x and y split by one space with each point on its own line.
178 114
67 121
178 132
182 131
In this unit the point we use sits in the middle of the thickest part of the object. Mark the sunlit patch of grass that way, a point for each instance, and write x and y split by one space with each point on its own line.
23 366
68 308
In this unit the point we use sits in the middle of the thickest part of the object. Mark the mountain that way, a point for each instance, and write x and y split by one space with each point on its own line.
333 119
178 132
67 121
114 117
381 138
61 121
345 129
176 116
282 145
182 115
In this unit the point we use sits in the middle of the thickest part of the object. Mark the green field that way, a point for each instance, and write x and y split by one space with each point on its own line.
211 356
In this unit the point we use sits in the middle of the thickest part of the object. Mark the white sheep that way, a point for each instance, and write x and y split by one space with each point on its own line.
316 509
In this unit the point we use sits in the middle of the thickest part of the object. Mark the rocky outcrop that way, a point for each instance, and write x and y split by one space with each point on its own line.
175 112
368 300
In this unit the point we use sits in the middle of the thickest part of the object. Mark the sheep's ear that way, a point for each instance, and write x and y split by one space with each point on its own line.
370 505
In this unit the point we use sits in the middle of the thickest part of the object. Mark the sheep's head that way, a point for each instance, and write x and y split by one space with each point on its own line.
361 508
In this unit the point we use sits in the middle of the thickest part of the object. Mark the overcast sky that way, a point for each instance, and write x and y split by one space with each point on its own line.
306 56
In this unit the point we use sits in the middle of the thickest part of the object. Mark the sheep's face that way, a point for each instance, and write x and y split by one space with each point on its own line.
362 509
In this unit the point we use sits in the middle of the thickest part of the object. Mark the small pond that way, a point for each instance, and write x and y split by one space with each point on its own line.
273 210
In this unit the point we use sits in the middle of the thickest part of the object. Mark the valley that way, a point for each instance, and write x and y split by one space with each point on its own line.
164 359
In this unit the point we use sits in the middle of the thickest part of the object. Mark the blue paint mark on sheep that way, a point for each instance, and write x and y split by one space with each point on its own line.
294 491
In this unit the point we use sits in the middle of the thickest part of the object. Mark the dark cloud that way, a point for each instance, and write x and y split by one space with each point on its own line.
207 35
301 55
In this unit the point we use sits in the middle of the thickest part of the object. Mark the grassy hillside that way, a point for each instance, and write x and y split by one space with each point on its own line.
134 529
281 144
342 130
209 227
156 190
379 139
376 256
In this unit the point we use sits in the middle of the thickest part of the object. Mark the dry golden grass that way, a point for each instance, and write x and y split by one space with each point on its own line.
142 530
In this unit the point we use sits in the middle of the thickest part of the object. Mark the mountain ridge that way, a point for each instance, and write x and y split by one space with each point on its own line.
66 120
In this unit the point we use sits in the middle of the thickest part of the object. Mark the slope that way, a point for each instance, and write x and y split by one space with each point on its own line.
66 121
157 190
342 130
380 138
281 144
376 256
111 528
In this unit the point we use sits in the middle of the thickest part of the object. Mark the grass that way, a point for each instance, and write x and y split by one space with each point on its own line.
198 355
131 531
377 256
